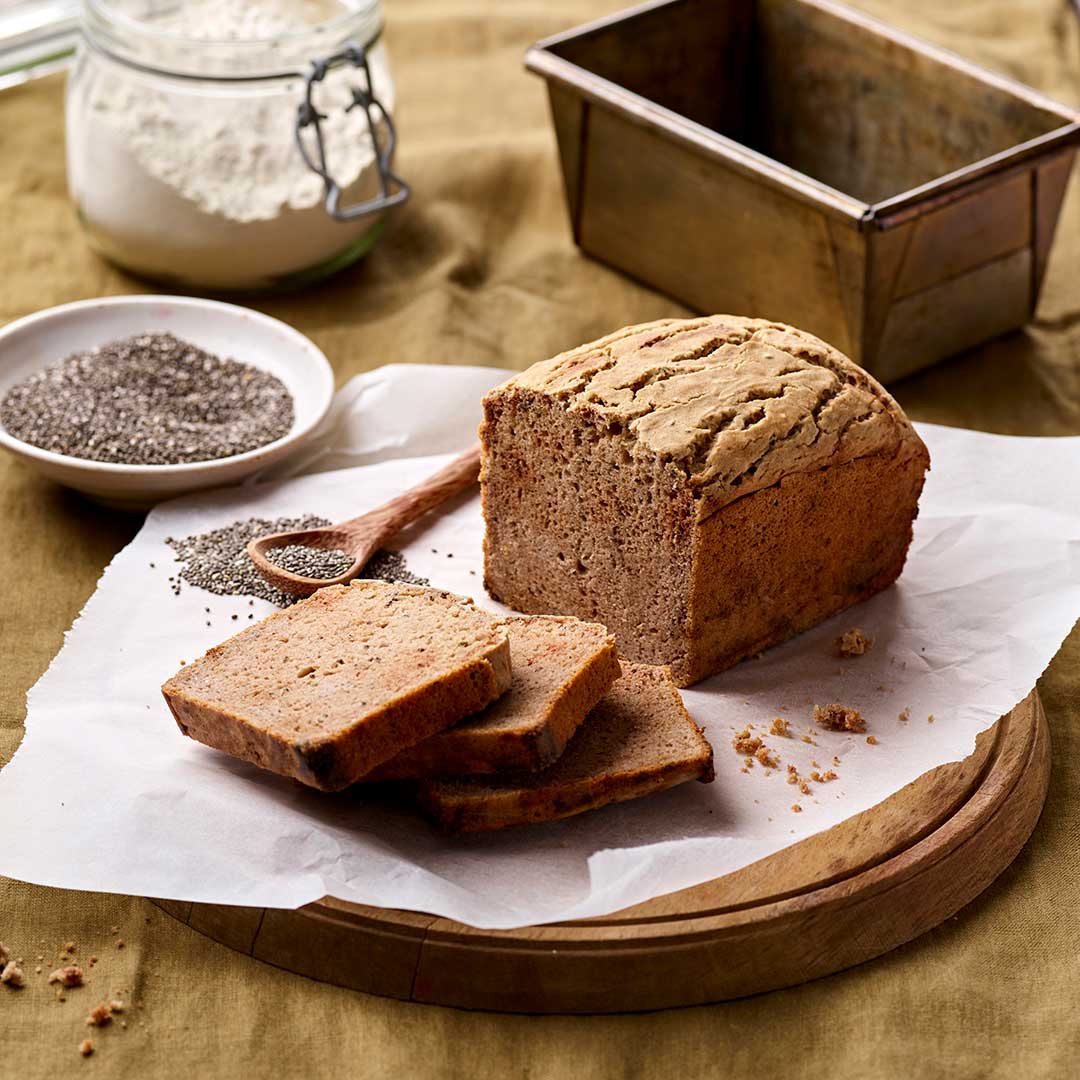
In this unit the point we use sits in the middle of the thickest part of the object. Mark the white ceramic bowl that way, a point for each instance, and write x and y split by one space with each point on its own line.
29 344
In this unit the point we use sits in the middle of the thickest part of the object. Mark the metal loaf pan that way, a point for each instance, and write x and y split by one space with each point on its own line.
800 161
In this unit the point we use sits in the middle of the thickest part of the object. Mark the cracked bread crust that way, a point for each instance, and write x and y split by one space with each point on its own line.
705 488
734 404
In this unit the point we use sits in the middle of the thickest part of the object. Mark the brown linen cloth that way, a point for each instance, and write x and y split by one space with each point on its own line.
480 268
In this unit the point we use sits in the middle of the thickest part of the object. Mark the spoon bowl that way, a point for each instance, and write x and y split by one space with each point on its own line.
362 536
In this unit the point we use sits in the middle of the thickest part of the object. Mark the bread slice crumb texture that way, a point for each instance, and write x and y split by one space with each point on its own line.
639 739
336 684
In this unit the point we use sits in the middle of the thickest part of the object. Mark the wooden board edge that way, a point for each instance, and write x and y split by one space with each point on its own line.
590 967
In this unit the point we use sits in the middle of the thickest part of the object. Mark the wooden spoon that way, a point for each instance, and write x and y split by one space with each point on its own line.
362 536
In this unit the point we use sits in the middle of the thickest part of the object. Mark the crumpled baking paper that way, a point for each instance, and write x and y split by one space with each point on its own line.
106 794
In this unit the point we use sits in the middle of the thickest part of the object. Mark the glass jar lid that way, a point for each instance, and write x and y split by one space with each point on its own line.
161 36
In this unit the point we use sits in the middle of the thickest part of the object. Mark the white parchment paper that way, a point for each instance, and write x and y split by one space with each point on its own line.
105 793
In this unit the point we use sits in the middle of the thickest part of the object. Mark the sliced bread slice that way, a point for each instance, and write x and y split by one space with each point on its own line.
329 688
638 740
562 668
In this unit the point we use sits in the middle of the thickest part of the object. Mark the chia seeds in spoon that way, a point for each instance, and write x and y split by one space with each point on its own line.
310 562
151 399
218 560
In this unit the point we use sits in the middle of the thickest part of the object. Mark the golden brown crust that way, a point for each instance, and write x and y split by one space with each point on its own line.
818 543
638 740
734 403
527 728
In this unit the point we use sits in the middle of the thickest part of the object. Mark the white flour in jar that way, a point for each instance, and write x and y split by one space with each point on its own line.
201 181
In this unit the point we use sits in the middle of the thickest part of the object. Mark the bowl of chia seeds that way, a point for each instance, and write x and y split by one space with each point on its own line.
135 399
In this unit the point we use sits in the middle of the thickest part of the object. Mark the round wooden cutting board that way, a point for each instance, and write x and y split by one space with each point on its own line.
834 900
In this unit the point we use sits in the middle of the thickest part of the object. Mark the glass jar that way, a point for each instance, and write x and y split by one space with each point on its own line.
232 144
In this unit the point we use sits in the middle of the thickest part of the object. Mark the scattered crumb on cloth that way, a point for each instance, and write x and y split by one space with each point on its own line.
12 975
69 976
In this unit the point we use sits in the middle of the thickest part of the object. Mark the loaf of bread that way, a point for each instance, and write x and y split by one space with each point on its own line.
638 740
705 488
562 668
328 689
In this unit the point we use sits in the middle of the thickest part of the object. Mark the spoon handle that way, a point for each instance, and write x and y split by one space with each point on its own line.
390 518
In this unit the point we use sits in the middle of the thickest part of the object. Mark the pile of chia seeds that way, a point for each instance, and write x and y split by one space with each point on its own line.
218 560
151 399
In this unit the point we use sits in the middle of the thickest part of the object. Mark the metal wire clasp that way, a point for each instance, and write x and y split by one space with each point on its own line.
392 189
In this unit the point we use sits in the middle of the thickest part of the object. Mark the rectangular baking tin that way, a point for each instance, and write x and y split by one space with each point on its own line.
690 133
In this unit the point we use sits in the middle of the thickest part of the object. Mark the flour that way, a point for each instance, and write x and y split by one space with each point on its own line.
200 181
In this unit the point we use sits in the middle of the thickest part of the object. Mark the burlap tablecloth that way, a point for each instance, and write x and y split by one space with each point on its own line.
480 268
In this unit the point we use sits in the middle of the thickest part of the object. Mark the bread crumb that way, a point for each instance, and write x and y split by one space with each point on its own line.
836 717
835 760
749 762
814 764
804 787
905 715
796 808
745 743
12 975
69 947
780 727
86 1047
830 775
93 960
767 758
99 1015
930 718
60 995
67 976
119 943
871 741
807 739
854 642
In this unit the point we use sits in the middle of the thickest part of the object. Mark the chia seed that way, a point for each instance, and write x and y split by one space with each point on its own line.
151 399
387 565
311 562
218 560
